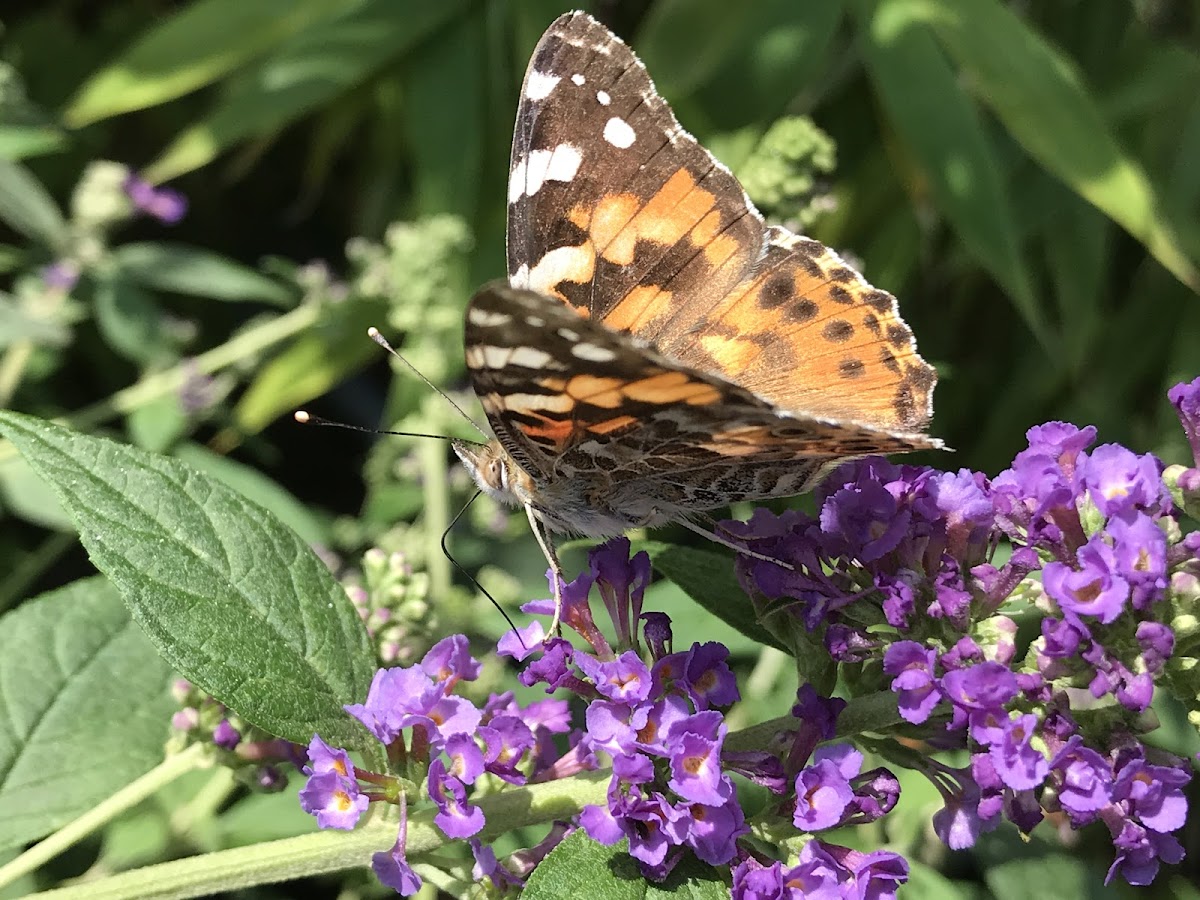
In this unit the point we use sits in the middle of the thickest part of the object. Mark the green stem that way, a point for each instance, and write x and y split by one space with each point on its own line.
160 384
131 795
437 517
334 851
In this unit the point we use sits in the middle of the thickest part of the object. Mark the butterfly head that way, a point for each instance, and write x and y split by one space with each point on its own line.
495 471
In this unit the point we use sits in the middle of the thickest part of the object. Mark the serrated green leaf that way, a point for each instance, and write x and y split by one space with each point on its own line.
198 45
710 580
198 273
308 72
254 485
925 103
1039 95
84 707
581 867
26 207
230 596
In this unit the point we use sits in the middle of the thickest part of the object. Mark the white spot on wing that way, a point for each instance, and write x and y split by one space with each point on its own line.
540 166
529 357
548 402
593 353
559 264
603 98
578 79
568 334
520 278
535 321
486 318
619 133
539 85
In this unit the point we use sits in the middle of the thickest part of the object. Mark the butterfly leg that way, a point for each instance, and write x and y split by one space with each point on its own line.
726 542
547 544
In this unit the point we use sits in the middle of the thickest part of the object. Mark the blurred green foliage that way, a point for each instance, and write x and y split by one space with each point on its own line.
1025 177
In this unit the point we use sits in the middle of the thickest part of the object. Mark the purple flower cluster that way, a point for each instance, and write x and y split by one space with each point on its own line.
906 565
912 575
441 739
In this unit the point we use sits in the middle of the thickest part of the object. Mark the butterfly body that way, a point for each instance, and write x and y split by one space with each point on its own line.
658 350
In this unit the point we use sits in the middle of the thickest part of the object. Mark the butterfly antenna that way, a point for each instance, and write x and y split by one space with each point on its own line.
306 418
458 565
373 334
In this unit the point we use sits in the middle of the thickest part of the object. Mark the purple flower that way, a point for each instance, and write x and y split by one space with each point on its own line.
456 817
867 518
520 643
164 204
391 867
508 739
621 581
823 794
450 660
322 758
1086 781
1140 552
1139 851
695 748
486 866
657 632
1185 397
1019 764
466 759
1154 794
226 736
819 874
711 831
613 727
702 673
625 679
553 668
1096 589
398 699
878 874
335 800
912 667
754 881
1118 479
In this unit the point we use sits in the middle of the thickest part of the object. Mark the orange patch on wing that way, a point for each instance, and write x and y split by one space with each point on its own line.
610 425
606 219
730 354
645 303
666 217
672 387
706 229
556 430
744 441
604 392
717 252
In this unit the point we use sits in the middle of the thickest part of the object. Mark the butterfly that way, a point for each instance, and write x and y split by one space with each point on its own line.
657 350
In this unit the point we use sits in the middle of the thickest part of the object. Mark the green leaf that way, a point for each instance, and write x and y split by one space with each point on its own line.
926 105
231 597
18 324
26 207
709 579
257 487
311 365
85 707
201 43
1039 95
128 318
196 272
1046 878
309 72
688 44
581 867
25 141
29 498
